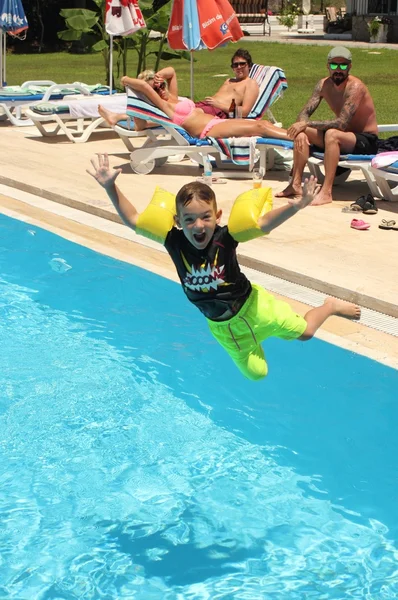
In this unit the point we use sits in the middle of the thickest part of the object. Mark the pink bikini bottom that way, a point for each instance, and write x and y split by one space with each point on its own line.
209 125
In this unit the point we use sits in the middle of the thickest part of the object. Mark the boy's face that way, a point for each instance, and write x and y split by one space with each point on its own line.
198 220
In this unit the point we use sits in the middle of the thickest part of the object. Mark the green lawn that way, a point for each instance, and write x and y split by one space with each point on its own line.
303 65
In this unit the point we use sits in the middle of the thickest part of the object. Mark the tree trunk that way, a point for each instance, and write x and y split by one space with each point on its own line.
77 47
40 19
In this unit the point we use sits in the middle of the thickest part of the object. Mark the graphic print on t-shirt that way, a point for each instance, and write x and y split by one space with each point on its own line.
204 277
211 277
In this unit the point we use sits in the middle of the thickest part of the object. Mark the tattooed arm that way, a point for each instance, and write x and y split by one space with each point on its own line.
312 103
309 108
353 97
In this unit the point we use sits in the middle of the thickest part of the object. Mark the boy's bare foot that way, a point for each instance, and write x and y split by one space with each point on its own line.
341 308
321 198
110 117
290 192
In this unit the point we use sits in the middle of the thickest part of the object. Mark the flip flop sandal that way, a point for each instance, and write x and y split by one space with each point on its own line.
388 224
359 203
370 208
356 206
359 224
353 208
365 204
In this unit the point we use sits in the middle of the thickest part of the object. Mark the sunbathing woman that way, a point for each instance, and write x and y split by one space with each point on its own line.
194 120
160 79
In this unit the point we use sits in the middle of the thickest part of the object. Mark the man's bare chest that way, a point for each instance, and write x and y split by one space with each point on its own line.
335 99
234 87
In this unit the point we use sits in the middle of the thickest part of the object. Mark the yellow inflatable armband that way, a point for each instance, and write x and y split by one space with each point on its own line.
157 219
246 210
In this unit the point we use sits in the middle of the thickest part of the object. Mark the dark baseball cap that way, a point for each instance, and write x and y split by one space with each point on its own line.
339 52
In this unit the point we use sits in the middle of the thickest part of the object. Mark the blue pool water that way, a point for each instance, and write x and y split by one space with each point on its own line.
137 463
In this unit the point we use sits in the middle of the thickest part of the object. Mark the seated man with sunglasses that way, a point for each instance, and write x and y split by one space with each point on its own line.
352 131
240 88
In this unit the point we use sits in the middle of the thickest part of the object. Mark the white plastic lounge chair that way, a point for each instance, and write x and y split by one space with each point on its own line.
77 118
156 151
13 99
383 178
351 162
126 130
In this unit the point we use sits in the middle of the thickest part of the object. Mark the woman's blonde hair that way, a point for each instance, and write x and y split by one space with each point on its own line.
147 75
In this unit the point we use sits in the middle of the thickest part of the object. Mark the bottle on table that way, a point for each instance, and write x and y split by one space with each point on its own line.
232 110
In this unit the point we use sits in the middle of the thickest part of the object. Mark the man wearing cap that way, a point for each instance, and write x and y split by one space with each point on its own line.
353 130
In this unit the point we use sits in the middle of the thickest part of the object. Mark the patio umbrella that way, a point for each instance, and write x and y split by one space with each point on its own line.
122 17
12 21
198 24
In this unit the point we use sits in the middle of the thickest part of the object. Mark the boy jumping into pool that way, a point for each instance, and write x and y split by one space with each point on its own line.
240 314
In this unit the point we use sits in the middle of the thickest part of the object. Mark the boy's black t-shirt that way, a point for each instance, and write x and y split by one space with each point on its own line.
211 278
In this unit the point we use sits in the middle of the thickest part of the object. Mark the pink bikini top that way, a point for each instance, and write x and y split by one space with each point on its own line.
182 111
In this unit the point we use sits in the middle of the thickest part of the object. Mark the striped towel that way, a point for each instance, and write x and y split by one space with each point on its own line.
240 150
272 83
139 106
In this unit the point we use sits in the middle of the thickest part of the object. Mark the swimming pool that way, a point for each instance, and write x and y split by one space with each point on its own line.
136 462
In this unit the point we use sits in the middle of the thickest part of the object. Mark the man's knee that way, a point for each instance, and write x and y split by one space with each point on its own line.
315 137
332 136
346 140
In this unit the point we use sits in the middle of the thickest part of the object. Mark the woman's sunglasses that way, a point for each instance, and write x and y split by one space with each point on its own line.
161 86
235 65
341 66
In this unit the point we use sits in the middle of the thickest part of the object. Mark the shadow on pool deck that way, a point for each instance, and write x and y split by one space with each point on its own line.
316 248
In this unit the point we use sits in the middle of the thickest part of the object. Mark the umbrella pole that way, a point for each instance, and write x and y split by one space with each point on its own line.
5 58
1 58
110 63
2 65
191 74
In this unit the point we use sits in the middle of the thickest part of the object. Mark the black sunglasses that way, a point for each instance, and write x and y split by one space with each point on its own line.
161 86
235 65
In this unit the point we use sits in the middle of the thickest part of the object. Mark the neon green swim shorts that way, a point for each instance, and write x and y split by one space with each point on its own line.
262 316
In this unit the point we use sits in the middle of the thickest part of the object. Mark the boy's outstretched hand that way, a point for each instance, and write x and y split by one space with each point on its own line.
310 189
103 173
